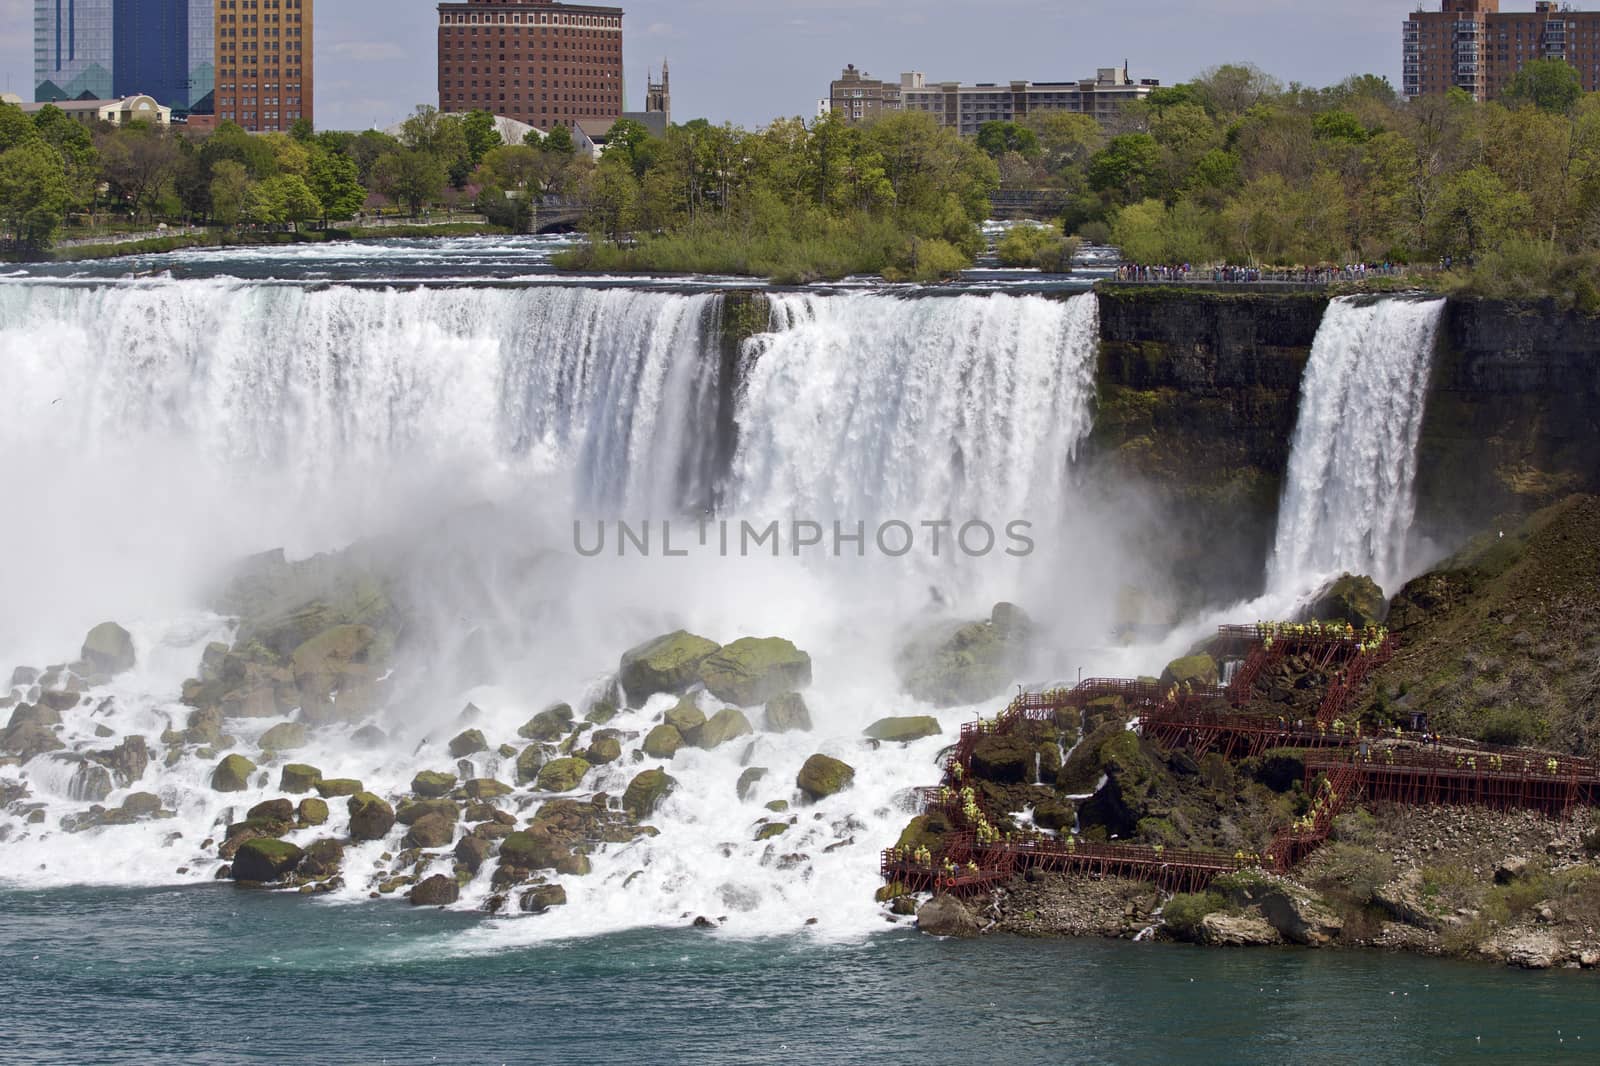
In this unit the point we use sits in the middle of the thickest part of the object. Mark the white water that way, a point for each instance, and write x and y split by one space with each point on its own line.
156 430
1349 500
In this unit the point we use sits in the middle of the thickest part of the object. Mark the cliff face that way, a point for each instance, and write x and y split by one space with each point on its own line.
1198 394
1513 416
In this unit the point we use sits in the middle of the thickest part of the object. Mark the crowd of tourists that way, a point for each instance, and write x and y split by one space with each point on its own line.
1246 275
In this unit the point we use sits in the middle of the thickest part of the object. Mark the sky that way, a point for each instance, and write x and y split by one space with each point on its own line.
748 61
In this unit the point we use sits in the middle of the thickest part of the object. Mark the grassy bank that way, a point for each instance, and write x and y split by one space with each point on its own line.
221 239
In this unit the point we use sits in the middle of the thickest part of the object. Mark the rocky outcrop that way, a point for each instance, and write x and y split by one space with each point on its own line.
946 916
754 670
265 860
669 663
1349 598
1237 930
1193 670
949 664
549 724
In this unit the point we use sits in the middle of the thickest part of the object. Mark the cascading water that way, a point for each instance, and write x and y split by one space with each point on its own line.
145 413
1348 502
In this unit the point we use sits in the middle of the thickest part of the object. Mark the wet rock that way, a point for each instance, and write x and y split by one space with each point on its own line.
336 672
669 663
108 649
646 791
60 701
277 810
23 676
431 784
787 713
771 830
903 730
727 724
472 852
322 858
541 898
1243 930
312 811
533 850
1007 759
823 776
412 811
142 804
686 718
265 860
370 817
337 787
232 774
562 775
549 724
748 781
605 748
127 761
297 778
286 736
436 891
204 727
369 738
946 916
430 831
754 670
485 788
663 741
529 763
29 740
468 742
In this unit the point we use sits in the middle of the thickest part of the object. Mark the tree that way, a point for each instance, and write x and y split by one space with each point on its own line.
300 204
72 142
998 138
410 175
1130 165
1548 84
139 162
34 194
230 188
612 193
1474 213
1234 88
478 128
624 140
15 127
336 183
302 130
1065 139
558 140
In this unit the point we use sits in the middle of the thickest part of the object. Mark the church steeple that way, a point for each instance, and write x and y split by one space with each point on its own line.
658 94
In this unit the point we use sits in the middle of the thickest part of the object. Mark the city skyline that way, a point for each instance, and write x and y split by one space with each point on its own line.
376 65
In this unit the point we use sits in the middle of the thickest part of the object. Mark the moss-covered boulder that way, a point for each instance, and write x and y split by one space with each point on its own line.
787 713
485 788
232 774
1195 670
903 730
663 742
951 664
265 860
435 891
337 787
312 811
533 849
771 830
823 776
371 818
472 851
562 775
605 748
686 717
336 673
1007 759
298 777
1133 775
754 670
529 762
646 791
411 811
285 736
669 663
430 831
108 649
467 742
322 858
549 724
727 724
277 810
541 898
1350 598
431 784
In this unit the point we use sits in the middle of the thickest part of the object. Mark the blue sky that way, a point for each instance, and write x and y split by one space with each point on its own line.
747 61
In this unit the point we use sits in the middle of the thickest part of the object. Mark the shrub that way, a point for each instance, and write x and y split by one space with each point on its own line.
1183 913
1353 872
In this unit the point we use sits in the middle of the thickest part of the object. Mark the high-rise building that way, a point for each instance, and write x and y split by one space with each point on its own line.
107 49
1474 46
539 61
859 98
72 49
264 63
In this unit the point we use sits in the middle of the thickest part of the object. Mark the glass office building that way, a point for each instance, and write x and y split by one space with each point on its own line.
73 49
113 48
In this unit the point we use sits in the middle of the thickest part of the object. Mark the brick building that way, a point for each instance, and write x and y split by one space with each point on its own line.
538 61
1473 45
264 63
858 97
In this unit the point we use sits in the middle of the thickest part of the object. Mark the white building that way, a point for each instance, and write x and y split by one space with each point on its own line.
117 112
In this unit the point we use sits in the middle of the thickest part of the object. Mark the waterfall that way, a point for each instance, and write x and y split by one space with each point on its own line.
609 387
1348 501
865 406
